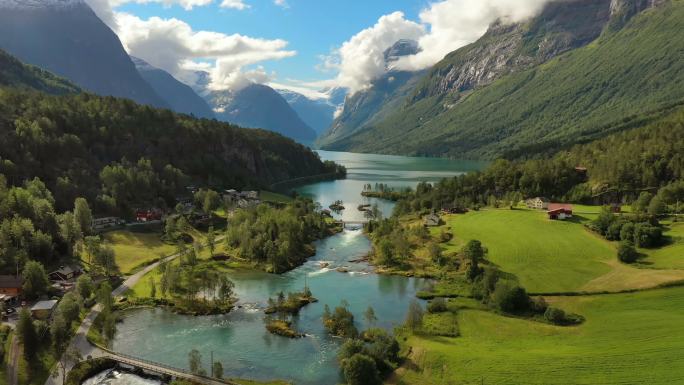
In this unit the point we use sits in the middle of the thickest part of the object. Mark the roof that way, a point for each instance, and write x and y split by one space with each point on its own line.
45 305
559 206
11 281
66 270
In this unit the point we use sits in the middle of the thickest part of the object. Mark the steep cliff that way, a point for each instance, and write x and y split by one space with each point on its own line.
569 75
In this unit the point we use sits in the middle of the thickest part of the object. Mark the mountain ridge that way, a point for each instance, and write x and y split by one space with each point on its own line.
581 94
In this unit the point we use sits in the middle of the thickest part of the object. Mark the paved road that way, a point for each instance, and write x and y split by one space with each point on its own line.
80 340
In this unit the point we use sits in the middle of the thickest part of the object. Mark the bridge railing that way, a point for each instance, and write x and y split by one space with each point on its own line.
159 367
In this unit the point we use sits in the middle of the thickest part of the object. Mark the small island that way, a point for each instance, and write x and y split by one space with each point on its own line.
280 311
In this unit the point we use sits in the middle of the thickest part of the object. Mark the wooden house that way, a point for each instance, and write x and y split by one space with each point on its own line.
559 211
11 285
538 203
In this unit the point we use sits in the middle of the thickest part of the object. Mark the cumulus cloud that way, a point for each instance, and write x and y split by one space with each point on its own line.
455 23
443 27
361 58
173 45
234 4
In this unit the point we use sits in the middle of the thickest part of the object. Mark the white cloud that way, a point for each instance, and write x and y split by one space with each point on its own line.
173 45
361 58
452 24
234 4
281 3
444 27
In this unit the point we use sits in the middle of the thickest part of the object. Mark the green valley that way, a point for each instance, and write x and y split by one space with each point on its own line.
626 76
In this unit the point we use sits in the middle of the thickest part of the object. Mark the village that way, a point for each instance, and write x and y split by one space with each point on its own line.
63 279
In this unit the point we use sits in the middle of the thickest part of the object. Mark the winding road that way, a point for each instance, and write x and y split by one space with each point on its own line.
81 343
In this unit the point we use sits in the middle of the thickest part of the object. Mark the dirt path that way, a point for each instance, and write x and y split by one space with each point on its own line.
13 362
80 340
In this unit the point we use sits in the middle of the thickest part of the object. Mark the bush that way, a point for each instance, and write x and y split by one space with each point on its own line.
437 305
509 297
647 235
86 369
627 253
360 370
554 315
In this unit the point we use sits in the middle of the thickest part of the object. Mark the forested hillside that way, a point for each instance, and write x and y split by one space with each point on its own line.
619 167
14 73
625 75
67 142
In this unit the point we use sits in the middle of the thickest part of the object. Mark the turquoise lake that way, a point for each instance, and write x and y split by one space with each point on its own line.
240 341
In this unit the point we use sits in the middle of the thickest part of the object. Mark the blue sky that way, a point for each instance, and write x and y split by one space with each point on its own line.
311 27
239 42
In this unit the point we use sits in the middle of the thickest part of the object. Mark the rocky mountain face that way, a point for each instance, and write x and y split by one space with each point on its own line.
180 97
504 49
66 38
385 95
259 106
540 85
316 113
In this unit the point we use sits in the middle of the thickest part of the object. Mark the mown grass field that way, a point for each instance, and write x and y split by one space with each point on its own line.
627 339
546 256
670 256
134 249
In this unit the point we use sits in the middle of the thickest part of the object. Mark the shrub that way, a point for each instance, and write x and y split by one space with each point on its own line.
509 297
86 369
554 315
360 370
627 232
437 305
647 235
627 253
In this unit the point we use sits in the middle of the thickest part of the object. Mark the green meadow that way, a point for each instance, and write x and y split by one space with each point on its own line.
632 338
545 255
670 256
133 250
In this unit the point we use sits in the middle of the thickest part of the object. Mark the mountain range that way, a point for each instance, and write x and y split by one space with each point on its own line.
66 38
578 71
256 106
180 97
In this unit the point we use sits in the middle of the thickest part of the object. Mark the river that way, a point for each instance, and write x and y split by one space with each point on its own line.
239 340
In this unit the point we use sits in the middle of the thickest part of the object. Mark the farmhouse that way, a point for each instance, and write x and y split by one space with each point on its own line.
43 309
559 211
432 220
539 203
148 215
106 222
11 285
65 273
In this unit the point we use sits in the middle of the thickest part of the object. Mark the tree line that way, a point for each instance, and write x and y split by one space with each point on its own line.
118 154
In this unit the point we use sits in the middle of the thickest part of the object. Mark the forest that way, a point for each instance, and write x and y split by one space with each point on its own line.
614 169
119 154
278 239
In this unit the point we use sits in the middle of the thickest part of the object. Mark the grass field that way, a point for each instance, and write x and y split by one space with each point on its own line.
670 256
562 256
268 196
627 339
547 256
134 249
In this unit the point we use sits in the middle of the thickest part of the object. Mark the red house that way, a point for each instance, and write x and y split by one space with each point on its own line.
559 211
148 215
